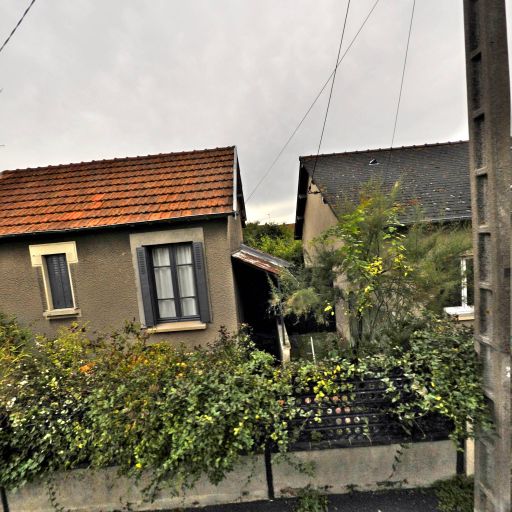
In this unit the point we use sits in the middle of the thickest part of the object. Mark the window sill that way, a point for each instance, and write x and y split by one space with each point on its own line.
461 312
191 325
61 313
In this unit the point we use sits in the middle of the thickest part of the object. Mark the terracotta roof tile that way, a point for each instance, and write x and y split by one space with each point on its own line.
116 192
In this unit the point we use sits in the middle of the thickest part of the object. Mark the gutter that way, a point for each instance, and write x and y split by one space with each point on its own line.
191 218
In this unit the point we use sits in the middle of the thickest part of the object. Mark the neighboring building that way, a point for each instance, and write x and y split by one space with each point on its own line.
147 238
433 178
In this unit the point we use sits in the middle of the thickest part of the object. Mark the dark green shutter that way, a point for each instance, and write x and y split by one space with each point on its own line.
145 286
201 282
60 284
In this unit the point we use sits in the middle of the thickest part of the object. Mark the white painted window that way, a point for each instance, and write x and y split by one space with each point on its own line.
463 308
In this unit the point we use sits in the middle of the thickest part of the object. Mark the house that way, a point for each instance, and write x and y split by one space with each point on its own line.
434 177
147 238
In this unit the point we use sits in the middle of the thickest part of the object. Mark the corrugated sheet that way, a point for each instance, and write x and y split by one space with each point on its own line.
260 259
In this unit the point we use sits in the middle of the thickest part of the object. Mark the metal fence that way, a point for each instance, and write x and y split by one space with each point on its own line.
360 417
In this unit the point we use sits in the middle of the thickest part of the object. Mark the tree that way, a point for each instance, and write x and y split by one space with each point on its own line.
275 239
379 273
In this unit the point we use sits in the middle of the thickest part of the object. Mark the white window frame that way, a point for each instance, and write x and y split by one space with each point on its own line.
465 311
37 258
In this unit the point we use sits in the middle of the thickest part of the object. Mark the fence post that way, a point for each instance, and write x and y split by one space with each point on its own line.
461 457
268 470
5 503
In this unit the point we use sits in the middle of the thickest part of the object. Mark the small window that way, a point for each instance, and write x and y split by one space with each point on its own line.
60 284
460 301
53 262
174 282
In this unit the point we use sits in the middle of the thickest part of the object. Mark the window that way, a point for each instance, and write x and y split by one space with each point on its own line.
461 300
173 283
53 262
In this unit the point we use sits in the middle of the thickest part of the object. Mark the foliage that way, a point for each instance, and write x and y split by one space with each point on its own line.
275 239
434 252
447 375
441 370
455 494
379 273
311 500
75 401
70 401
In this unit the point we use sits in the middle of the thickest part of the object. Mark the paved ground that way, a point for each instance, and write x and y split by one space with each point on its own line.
385 501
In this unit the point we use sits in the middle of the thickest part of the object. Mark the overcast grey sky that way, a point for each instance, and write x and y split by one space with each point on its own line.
92 79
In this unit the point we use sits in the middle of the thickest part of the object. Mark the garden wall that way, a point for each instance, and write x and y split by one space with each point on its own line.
341 469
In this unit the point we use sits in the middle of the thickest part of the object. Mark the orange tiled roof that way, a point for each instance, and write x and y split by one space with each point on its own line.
116 192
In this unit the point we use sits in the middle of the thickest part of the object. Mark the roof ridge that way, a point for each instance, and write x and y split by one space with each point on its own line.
370 150
118 159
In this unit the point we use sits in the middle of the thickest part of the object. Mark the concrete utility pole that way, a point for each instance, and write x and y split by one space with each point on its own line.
491 178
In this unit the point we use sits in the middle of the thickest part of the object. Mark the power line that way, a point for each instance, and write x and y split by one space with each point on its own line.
330 95
401 82
297 128
17 25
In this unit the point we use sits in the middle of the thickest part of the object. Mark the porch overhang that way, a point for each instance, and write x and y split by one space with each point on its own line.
260 260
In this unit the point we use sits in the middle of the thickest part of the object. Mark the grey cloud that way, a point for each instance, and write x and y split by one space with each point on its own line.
93 79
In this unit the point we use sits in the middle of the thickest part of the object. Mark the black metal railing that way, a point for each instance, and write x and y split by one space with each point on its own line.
360 416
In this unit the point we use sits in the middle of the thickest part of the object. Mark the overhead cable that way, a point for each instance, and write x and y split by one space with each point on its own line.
330 94
297 128
401 82
17 25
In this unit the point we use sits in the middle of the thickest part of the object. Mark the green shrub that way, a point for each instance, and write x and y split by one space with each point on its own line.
72 401
455 494
311 500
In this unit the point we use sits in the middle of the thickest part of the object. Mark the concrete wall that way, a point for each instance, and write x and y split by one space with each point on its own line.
105 281
362 469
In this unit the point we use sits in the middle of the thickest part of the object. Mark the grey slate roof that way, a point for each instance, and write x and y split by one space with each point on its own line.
435 176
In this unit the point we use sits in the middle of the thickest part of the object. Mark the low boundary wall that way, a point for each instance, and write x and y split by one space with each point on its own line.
340 470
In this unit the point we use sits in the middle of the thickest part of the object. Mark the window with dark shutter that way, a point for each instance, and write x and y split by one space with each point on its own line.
175 288
173 283
60 284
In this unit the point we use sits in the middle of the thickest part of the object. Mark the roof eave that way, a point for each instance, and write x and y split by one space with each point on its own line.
190 218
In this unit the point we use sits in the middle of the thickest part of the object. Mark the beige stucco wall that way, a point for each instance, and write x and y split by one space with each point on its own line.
105 281
318 217
235 233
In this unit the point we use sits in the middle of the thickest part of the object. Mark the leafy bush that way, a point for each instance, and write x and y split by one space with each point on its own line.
441 370
311 500
275 239
380 274
73 401
455 494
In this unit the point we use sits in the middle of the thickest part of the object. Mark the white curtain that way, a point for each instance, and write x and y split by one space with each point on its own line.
186 280
163 281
